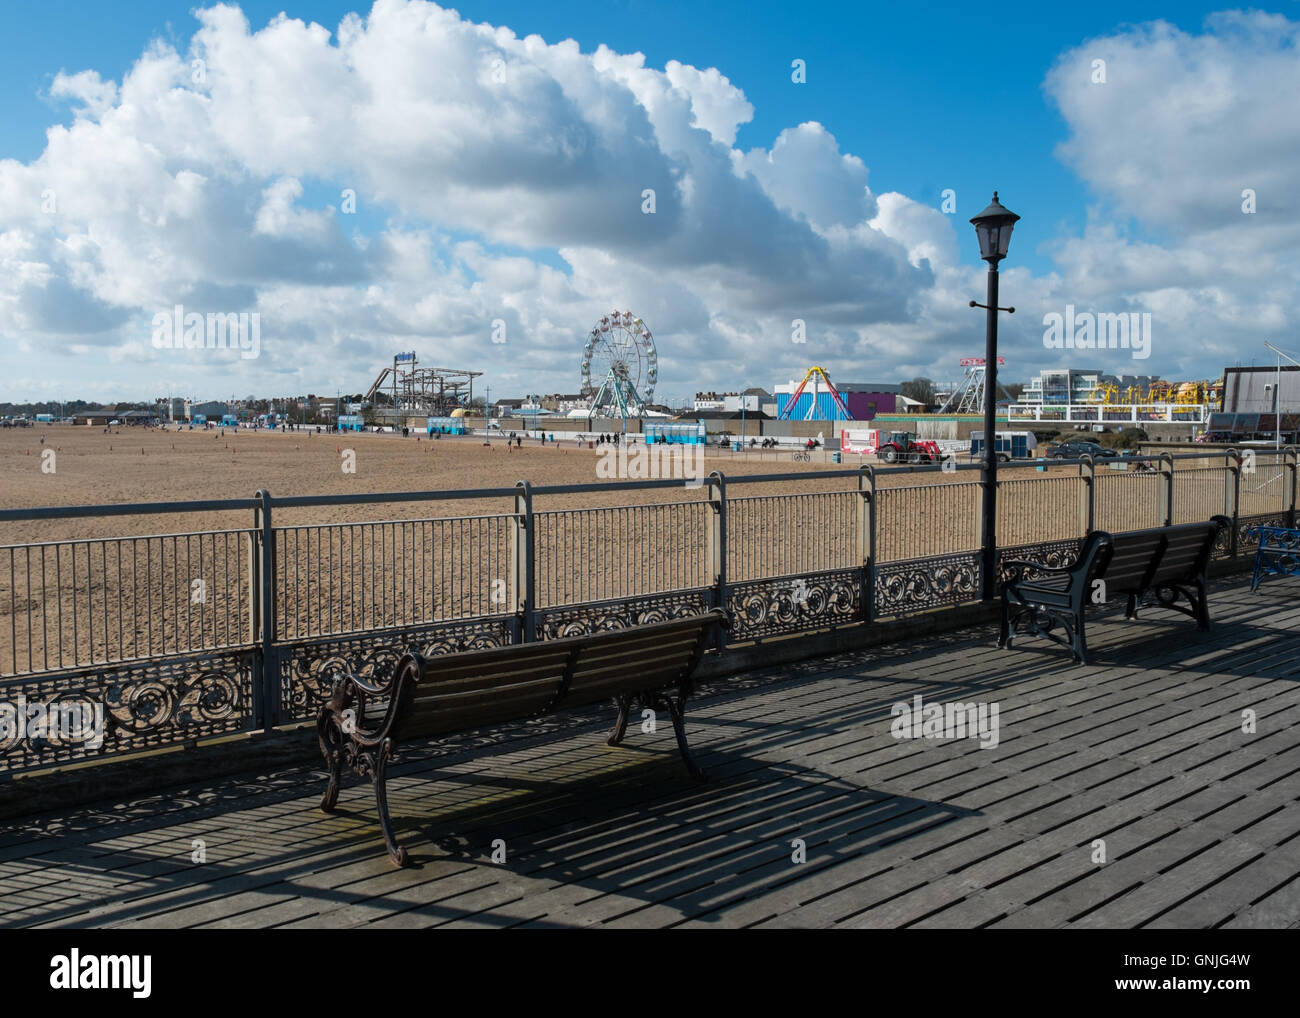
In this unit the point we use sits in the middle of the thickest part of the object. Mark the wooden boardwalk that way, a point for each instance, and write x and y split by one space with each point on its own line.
1143 751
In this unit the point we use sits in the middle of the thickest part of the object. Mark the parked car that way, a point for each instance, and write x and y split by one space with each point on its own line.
1078 450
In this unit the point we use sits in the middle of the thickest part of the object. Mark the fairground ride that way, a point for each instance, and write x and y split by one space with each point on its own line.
815 411
620 366
423 392
968 396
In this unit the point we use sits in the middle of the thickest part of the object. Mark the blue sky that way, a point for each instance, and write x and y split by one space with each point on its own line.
927 97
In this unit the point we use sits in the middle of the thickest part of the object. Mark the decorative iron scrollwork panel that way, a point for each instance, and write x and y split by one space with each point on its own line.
309 670
1247 538
583 620
1055 554
90 714
793 604
918 584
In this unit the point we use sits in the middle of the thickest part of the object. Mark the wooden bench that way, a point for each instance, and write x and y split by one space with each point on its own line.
1166 561
653 665
1278 554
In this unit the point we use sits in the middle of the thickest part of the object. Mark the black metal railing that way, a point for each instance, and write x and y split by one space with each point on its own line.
180 636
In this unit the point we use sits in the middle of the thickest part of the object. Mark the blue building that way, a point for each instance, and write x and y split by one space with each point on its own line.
446 426
675 434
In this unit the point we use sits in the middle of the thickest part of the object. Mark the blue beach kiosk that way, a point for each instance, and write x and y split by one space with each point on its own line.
675 434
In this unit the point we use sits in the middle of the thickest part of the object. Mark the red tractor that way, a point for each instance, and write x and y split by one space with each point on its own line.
902 446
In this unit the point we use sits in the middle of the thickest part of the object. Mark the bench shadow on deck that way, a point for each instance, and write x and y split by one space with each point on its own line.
1143 750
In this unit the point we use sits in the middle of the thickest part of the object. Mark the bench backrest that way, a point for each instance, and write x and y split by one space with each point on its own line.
460 691
1142 559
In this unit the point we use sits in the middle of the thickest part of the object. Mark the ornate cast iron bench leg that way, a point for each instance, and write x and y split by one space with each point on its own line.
676 708
331 740
620 723
331 796
378 777
1201 607
1080 640
341 748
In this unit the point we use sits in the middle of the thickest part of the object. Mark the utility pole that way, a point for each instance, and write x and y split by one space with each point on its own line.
1277 397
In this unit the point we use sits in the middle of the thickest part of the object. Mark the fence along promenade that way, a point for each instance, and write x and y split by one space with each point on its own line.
187 635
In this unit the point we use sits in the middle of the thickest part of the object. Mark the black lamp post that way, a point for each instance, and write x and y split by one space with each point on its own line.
993 228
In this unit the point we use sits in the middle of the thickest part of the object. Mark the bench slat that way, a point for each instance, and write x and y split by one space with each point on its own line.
501 683
502 676
499 668
505 666
645 673
609 670
524 698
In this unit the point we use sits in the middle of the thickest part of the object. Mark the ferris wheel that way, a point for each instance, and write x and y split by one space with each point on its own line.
619 364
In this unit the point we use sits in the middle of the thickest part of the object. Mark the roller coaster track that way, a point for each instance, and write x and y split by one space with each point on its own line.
370 394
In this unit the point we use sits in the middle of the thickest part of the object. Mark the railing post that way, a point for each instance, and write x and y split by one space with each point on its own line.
1088 506
717 545
255 614
1234 496
270 684
1167 489
1291 460
523 559
254 582
867 542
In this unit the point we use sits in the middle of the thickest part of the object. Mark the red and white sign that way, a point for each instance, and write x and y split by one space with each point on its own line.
860 442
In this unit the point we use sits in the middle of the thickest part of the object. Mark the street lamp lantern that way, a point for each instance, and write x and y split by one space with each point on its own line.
993 226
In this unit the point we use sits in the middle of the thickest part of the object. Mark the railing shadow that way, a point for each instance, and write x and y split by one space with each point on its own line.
623 826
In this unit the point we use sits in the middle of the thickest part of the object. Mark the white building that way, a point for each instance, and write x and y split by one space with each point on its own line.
1085 395
713 400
